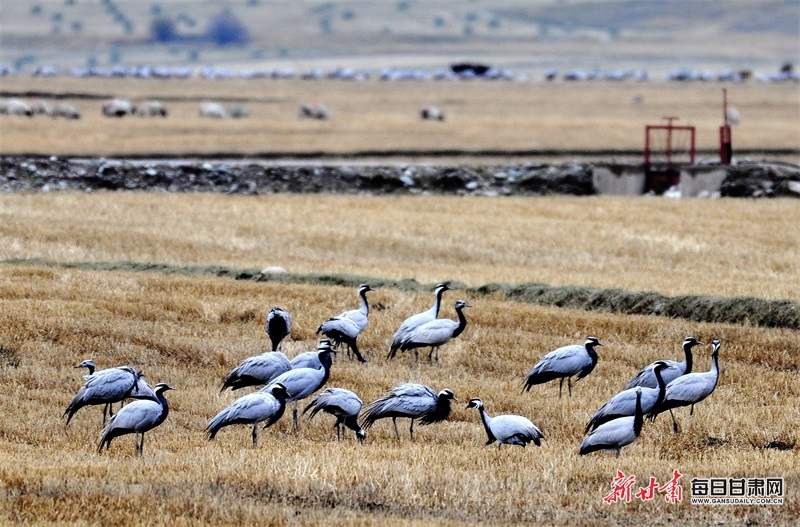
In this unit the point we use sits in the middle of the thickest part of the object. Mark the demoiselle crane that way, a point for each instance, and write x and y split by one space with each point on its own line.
257 370
615 434
647 379
142 390
415 321
624 403
302 382
137 418
690 389
564 363
410 401
507 429
106 387
310 359
342 404
347 326
435 333
266 405
278 326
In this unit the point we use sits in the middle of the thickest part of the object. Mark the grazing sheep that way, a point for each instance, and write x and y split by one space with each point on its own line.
431 113
40 107
151 109
15 107
238 112
213 110
118 107
315 110
65 110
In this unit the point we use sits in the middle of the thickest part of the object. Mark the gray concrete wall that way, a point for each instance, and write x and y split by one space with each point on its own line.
618 180
701 181
629 180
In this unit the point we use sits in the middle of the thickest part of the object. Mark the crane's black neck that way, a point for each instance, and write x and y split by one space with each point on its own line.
462 322
164 406
662 387
351 422
687 350
90 368
438 302
715 367
638 417
592 354
280 396
327 361
485 418
440 413
364 303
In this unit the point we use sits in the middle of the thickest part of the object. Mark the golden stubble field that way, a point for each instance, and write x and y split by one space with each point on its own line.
190 331
384 116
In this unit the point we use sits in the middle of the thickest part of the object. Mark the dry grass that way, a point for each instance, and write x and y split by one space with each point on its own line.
720 247
378 115
189 331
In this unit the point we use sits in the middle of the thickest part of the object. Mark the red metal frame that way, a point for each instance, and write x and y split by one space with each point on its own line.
669 127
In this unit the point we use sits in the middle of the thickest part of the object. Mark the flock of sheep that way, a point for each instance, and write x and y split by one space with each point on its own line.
658 387
18 107
120 107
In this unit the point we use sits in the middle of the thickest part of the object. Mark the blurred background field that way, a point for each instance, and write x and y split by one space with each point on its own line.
375 116
525 37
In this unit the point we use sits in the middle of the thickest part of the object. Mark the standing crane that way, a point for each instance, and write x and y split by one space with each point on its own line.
624 403
564 363
251 409
411 401
347 326
278 326
690 389
435 333
617 433
137 418
646 377
302 382
415 321
105 387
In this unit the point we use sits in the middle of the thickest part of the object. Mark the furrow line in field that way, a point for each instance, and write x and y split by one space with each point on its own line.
697 308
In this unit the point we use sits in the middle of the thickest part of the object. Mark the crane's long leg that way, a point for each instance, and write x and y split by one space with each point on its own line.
560 386
569 385
674 422
139 438
691 412
358 354
394 421
411 429
294 414
255 434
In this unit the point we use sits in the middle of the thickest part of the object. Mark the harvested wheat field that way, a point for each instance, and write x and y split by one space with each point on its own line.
190 330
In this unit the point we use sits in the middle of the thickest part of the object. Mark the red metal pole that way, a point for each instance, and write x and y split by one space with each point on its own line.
725 146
